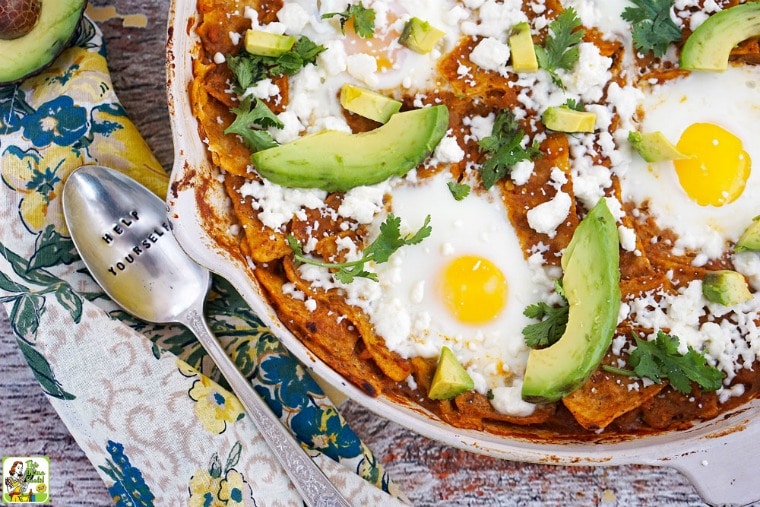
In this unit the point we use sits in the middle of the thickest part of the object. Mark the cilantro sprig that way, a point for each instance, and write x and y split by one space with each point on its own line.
574 105
379 251
250 123
659 359
364 19
561 48
249 69
504 149
458 190
552 321
653 28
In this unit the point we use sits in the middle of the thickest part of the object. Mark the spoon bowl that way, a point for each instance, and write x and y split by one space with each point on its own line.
124 237
125 240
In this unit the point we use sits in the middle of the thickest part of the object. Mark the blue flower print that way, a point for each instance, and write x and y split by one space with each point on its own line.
294 384
325 431
129 488
58 121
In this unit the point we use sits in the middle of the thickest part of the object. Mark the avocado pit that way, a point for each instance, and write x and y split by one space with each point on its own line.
18 17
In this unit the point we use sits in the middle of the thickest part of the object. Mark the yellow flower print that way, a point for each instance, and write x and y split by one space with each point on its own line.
117 143
78 68
185 369
216 406
203 490
235 490
38 178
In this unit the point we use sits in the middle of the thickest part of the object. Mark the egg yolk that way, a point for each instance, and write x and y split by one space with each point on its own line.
381 46
719 168
473 289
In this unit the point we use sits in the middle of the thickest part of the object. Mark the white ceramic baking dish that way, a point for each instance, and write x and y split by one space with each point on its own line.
721 457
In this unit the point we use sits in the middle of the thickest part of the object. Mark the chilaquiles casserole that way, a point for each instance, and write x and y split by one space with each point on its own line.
529 217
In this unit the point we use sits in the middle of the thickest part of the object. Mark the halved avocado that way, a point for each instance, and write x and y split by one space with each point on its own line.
26 55
337 161
710 45
591 266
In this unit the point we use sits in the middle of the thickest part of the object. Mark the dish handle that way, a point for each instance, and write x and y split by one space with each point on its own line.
724 467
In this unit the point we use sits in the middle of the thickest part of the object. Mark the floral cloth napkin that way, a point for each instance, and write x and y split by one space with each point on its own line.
142 400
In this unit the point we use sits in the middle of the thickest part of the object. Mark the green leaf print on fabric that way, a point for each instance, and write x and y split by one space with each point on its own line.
42 372
28 303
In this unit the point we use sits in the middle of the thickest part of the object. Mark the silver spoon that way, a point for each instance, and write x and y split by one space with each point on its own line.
122 233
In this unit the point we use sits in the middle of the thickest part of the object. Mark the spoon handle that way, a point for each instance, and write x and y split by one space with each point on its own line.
308 479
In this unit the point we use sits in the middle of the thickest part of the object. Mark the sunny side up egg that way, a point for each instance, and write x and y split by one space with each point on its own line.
465 286
708 199
379 63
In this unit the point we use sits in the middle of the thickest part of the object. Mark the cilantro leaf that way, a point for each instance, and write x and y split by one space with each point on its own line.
257 116
659 359
458 190
561 48
378 251
653 28
249 69
553 321
573 104
364 19
504 147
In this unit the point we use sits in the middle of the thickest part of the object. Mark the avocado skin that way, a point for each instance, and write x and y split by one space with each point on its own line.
337 161
591 264
29 54
709 46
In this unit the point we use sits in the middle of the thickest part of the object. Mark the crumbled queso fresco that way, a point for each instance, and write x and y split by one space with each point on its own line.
496 364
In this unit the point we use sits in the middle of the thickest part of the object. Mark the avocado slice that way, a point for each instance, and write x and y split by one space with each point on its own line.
450 378
710 45
591 266
750 238
564 119
654 146
258 42
337 161
725 287
30 53
522 48
420 36
367 103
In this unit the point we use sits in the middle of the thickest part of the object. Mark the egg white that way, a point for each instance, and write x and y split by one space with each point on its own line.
728 99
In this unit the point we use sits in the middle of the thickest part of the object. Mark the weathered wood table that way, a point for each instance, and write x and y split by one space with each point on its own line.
430 472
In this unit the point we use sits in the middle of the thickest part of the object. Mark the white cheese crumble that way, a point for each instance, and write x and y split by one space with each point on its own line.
278 205
547 216
448 151
490 54
508 400
522 171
